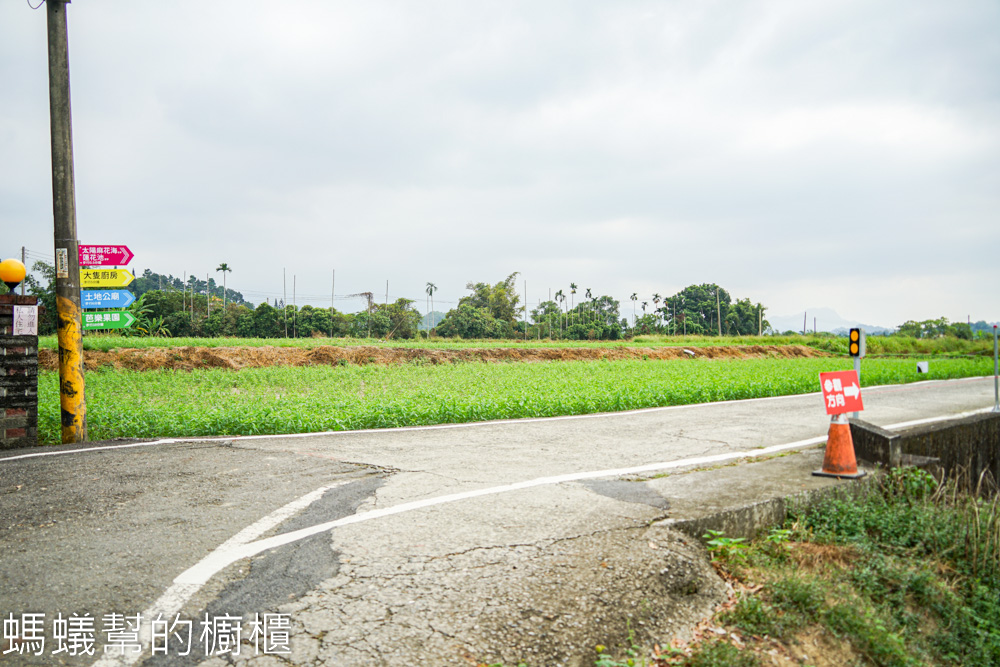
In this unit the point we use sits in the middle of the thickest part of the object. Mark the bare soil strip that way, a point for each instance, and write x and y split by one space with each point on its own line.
236 358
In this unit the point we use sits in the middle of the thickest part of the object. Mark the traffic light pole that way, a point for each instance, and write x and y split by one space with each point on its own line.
856 348
857 369
69 329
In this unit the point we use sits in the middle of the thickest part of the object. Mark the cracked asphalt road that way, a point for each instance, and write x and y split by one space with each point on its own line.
537 573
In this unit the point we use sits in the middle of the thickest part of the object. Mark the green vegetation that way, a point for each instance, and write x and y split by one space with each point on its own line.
170 307
903 573
901 345
319 398
108 341
877 345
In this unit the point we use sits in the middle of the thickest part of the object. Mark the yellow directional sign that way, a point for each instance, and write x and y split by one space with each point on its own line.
90 278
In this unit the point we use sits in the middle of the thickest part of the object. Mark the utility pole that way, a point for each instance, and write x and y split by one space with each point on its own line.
284 300
72 399
24 260
718 309
996 373
333 290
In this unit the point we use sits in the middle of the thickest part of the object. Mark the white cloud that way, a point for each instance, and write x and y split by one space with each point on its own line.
639 146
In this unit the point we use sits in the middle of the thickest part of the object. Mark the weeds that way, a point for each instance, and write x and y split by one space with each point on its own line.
722 548
907 573
604 659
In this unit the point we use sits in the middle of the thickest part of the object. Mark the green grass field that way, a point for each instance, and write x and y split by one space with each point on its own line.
148 404
877 345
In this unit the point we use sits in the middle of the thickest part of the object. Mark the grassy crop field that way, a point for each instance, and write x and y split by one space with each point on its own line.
877 345
167 403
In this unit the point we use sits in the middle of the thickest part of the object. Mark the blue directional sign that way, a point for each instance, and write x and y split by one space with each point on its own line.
111 298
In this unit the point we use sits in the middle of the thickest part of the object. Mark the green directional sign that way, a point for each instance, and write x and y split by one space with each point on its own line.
97 278
102 319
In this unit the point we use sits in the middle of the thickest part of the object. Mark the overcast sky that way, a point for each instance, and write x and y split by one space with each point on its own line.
803 154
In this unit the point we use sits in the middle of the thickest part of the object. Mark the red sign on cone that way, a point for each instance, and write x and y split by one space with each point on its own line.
841 392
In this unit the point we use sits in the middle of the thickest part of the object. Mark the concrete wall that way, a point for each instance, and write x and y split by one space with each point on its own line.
969 446
18 378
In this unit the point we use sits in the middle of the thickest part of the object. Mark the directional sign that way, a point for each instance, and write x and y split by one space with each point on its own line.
113 298
121 319
105 255
92 278
841 392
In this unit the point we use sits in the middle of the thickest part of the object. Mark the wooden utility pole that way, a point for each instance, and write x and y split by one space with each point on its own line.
69 329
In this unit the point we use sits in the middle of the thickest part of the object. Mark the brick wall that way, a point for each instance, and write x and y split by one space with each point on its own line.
18 378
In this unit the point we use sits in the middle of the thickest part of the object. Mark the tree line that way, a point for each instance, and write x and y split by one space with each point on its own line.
495 311
168 306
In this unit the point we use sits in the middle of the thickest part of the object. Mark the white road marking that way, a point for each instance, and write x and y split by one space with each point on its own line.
179 593
239 546
436 427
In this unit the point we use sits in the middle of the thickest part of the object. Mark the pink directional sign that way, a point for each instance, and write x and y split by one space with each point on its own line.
841 392
105 255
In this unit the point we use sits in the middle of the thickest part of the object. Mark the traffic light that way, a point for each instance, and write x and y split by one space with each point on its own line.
856 342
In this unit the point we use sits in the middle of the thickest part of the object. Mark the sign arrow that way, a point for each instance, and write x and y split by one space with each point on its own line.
841 392
105 255
115 298
90 278
107 320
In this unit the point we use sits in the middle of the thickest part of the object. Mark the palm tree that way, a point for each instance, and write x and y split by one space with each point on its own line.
431 288
656 304
572 291
590 298
634 298
225 269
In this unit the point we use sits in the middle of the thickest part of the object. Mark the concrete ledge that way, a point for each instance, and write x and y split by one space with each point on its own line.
744 499
875 444
967 446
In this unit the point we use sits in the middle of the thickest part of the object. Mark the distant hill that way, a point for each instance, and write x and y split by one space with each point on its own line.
827 319
427 323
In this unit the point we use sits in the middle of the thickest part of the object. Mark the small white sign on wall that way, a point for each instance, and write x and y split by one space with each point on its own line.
25 320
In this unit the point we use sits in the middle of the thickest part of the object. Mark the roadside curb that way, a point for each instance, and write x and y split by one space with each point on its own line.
748 498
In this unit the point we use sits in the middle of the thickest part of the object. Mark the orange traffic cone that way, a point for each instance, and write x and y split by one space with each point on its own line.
839 460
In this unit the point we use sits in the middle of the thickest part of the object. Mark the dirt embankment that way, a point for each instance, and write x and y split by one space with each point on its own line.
236 358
